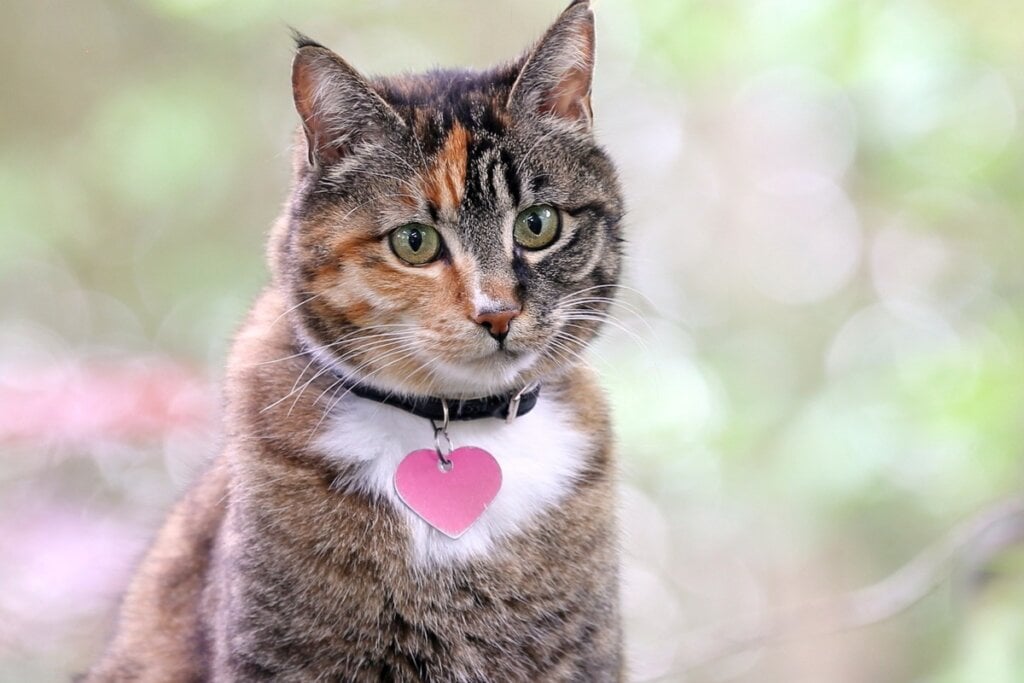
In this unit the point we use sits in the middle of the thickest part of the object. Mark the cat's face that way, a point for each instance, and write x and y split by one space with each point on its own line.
452 233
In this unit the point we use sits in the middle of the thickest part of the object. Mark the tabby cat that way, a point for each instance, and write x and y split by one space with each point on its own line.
417 480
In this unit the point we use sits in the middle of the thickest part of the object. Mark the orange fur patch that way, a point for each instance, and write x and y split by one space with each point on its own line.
446 178
348 247
359 312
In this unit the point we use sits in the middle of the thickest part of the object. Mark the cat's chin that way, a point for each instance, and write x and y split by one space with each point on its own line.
494 373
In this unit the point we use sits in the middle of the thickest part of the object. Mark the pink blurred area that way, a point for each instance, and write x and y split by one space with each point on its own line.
80 403
81 441
61 565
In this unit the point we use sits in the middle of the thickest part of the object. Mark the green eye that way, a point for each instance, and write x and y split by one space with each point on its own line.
415 243
537 227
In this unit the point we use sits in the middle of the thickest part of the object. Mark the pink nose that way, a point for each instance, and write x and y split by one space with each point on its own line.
497 322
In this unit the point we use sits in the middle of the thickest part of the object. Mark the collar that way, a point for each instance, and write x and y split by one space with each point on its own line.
506 407
502 406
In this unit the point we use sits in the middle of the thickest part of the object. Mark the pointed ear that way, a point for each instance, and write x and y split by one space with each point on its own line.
556 78
338 107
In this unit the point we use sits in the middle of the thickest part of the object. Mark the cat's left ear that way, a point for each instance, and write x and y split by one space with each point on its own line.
556 77
338 107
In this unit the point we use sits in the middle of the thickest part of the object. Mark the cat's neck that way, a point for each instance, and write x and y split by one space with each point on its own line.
506 405
275 397
540 454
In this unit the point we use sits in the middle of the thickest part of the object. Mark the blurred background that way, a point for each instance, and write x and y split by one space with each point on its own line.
820 366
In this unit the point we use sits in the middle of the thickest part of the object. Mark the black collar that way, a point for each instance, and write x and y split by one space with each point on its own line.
502 406
516 403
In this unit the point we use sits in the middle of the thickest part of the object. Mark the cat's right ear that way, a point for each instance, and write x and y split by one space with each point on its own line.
556 76
338 107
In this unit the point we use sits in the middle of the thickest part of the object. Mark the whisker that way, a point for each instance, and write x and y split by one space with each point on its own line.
580 305
341 359
584 345
298 305
615 286
564 354
324 347
400 345
604 300
609 320
337 400
294 385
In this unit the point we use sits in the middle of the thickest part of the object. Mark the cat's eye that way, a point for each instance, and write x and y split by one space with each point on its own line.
415 243
537 227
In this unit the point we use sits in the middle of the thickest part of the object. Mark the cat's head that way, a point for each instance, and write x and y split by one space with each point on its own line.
453 233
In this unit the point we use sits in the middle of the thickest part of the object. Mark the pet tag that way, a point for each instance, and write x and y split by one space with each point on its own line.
449 497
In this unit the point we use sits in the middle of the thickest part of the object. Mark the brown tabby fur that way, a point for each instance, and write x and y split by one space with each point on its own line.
269 569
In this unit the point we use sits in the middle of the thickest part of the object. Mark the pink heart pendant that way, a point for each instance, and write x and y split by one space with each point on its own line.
449 501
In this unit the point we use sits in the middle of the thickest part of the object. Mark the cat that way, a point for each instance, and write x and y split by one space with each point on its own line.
450 247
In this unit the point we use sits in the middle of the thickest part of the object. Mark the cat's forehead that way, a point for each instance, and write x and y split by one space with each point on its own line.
438 104
464 138
472 181
448 90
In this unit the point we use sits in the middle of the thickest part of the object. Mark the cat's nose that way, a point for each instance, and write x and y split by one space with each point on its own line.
497 322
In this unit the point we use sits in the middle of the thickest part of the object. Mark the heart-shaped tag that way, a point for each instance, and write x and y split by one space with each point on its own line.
450 501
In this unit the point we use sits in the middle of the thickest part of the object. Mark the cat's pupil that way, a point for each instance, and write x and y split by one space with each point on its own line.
534 223
415 239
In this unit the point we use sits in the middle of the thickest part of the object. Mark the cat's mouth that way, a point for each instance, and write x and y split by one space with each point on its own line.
503 355
495 371
511 361
504 352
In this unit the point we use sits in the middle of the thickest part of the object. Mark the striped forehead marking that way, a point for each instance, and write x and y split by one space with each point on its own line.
445 179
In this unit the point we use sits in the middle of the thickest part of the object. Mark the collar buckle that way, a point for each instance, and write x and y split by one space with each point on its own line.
513 404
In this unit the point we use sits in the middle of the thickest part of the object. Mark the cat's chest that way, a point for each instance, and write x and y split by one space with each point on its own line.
540 454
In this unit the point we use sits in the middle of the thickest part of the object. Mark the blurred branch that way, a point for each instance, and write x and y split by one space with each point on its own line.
972 542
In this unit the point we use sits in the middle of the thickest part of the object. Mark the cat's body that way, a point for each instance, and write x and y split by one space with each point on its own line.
293 558
267 571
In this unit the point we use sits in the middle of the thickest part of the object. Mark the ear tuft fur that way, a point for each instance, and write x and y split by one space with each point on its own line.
301 39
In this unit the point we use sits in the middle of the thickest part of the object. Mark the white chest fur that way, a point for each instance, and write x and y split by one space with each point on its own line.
540 453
